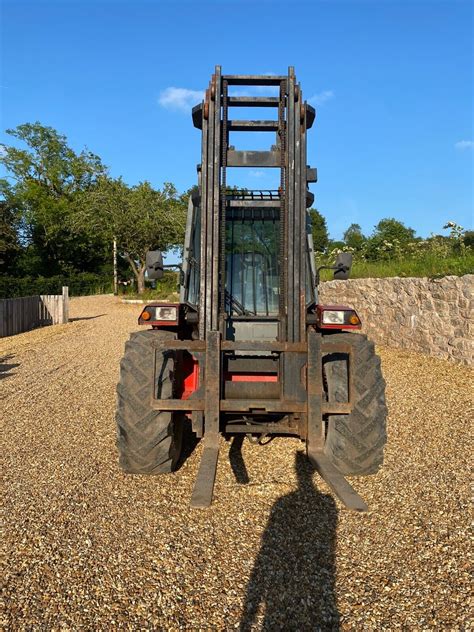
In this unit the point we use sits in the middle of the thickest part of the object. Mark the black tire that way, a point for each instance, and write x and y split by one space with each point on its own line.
355 442
149 441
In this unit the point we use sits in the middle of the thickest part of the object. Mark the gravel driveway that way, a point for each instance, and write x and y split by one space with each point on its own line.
88 547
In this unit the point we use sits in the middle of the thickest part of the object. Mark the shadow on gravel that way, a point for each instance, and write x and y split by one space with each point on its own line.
5 368
73 320
237 462
189 444
292 581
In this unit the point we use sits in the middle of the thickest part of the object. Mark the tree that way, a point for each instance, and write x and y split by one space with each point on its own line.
319 230
9 229
469 238
353 237
390 230
336 244
42 186
389 240
140 218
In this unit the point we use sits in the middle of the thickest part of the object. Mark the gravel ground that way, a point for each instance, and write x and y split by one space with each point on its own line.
88 547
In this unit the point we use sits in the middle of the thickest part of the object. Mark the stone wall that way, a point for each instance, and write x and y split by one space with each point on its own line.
432 316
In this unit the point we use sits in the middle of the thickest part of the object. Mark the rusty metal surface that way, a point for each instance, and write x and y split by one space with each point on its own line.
260 429
240 405
315 432
253 80
336 481
250 102
337 408
229 345
341 408
178 404
267 405
336 347
255 345
204 485
212 386
197 423
254 159
191 345
251 390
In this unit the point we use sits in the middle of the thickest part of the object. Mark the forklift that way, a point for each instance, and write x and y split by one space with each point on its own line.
249 349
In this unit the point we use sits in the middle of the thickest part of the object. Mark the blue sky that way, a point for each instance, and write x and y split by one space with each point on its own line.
391 81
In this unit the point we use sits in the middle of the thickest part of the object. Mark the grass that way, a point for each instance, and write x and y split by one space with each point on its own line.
430 266
153 295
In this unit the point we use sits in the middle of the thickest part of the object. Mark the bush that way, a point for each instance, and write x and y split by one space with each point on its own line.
80 284
162 289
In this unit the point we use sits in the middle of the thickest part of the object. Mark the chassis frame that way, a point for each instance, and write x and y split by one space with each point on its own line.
304 409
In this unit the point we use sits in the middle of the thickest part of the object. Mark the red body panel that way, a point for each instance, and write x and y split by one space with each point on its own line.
190 380
250 377
189 370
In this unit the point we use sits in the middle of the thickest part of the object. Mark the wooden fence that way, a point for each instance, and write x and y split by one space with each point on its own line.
29 312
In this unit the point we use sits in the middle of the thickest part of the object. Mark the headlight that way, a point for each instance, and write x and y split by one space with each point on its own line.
340 317
155 312
333 317
166 313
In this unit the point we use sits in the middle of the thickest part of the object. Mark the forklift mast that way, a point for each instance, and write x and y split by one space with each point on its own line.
229 281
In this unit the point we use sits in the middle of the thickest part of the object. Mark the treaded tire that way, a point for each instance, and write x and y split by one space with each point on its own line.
148 441
355 442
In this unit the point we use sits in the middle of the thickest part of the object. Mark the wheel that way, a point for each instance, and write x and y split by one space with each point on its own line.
148 441
355 442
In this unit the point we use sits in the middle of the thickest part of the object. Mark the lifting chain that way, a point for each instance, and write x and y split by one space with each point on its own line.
223 204
282 133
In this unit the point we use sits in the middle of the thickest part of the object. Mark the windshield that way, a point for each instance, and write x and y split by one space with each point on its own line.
252 268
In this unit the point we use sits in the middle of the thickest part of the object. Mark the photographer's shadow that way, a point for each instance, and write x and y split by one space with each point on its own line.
292 582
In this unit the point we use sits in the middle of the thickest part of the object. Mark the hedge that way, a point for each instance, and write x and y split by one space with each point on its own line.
79 284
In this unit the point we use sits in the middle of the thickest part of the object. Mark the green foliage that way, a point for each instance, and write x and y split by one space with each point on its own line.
429 266
49 161
319 230
61 211
437 255
165 289
9 229
390 229
387 241
140 218
233 191
353 237
469 238
79 284
337 246
45 179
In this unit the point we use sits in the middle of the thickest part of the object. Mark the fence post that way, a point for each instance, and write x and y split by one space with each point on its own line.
3 319
65 304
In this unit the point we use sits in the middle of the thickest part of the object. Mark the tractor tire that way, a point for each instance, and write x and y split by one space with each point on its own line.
148 441
355 442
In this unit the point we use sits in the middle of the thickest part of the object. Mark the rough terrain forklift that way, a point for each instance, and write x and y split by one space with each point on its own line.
249 349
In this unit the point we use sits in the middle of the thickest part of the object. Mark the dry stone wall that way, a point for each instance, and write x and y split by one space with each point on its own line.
432 316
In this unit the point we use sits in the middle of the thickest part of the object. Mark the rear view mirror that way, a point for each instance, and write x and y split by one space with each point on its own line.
343 266
154 264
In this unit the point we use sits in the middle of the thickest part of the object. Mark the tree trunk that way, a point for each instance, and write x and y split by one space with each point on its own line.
141 280
139 273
